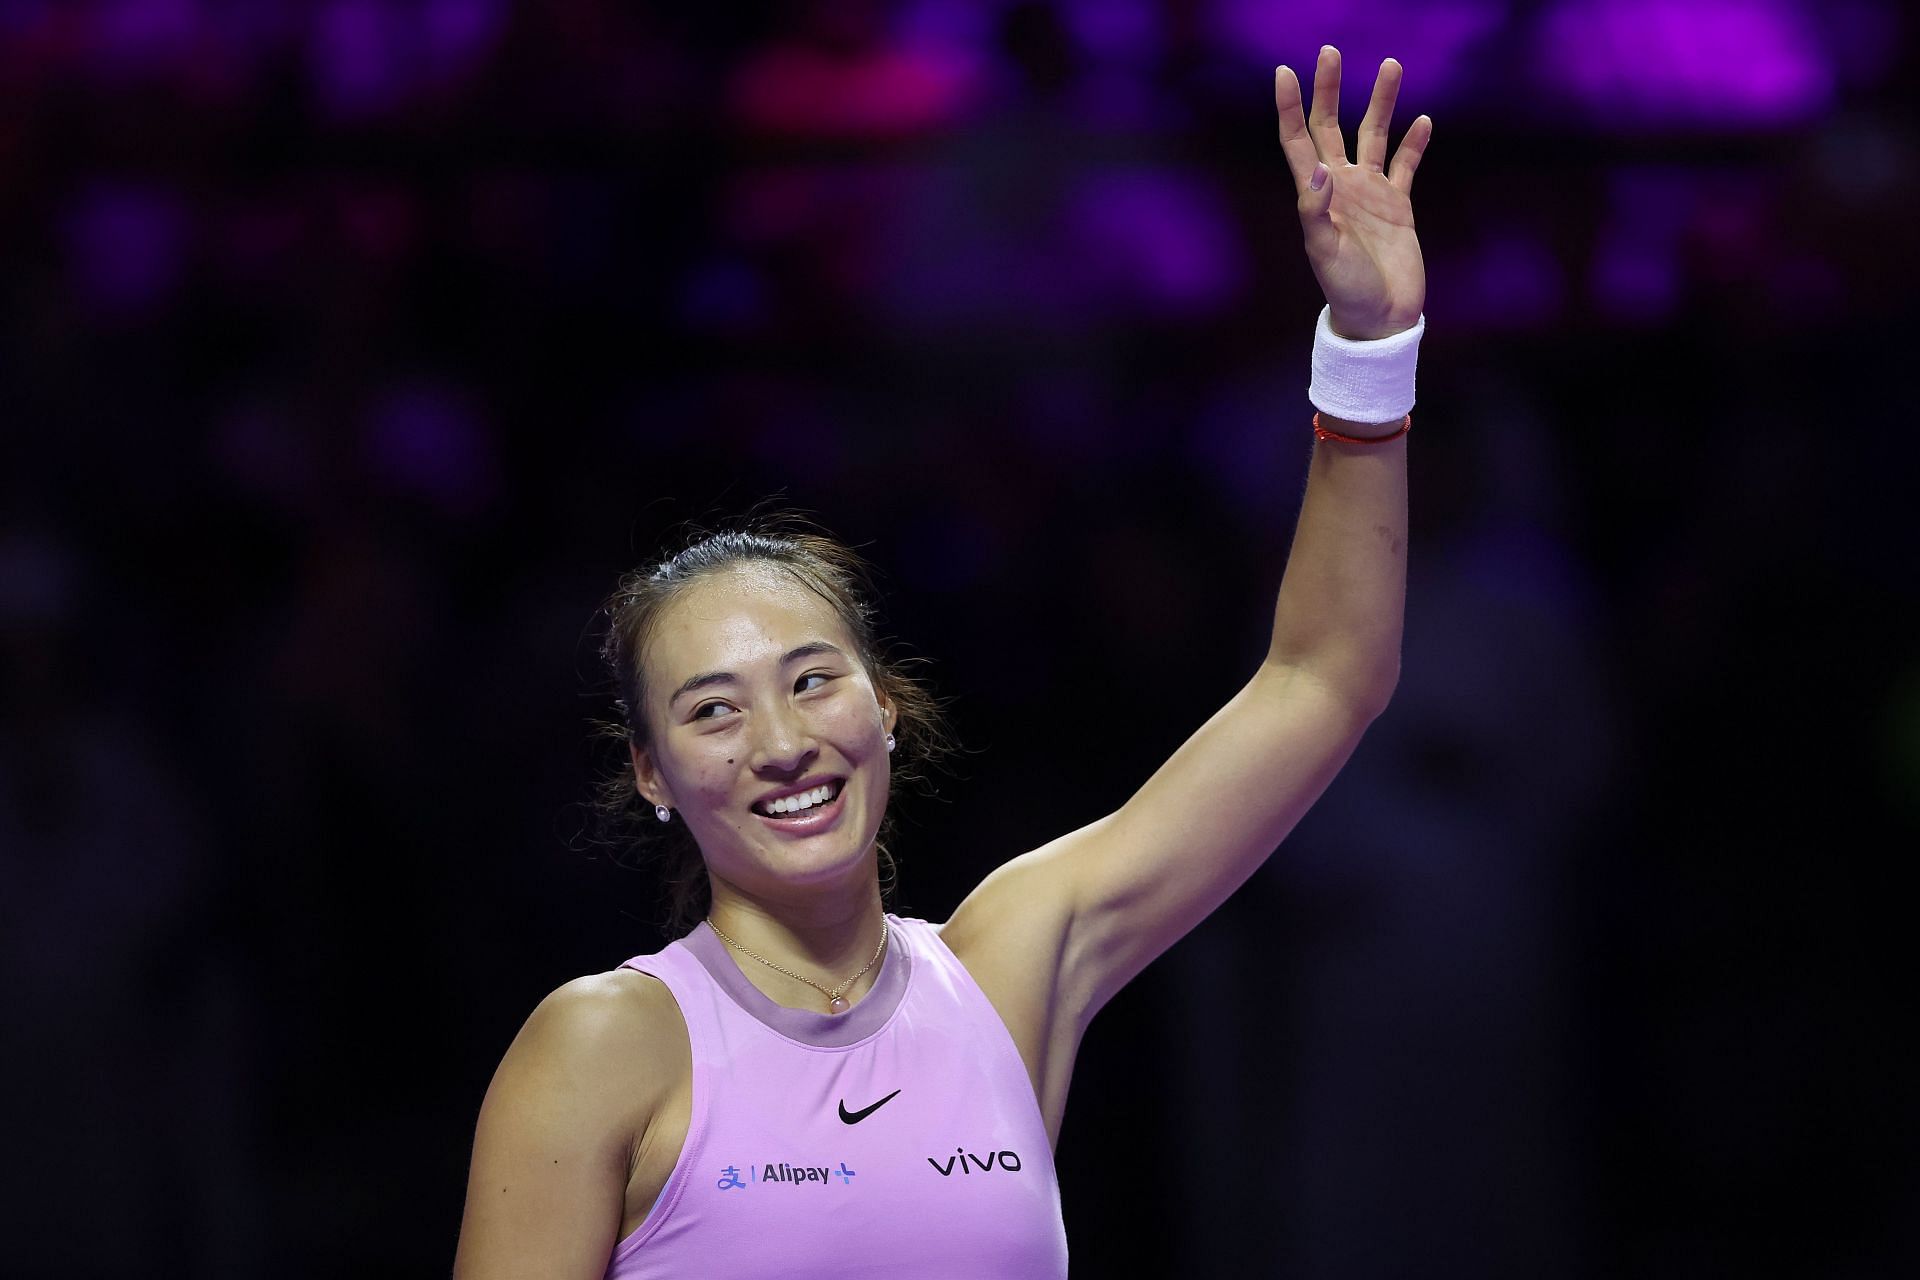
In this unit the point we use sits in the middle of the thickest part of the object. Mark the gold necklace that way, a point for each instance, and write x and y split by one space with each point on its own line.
836 1003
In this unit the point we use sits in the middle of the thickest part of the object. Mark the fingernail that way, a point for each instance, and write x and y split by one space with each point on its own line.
1319 178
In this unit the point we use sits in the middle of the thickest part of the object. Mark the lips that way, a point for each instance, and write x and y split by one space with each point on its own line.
806 820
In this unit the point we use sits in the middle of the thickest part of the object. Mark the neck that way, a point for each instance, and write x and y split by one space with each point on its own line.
828 944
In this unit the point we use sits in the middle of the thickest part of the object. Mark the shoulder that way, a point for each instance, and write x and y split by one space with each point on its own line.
1016 925
1022 900
607 1019
1030 923
614 1041
562 1122
607 1003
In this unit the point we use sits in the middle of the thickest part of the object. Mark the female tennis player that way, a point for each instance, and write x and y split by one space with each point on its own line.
806 1084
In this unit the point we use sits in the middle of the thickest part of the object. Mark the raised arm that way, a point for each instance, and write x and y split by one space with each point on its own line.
1118 893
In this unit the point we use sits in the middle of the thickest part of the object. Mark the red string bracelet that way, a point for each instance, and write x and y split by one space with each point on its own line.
1321 433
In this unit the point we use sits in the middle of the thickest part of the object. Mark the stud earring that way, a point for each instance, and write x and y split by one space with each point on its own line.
890 742
663 813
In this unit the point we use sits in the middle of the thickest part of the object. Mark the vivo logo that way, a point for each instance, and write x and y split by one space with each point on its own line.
968 1161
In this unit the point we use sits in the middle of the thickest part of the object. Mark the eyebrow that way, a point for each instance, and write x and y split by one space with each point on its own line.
706 678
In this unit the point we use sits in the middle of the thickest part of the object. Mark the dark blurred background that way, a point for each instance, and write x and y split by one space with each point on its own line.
350 349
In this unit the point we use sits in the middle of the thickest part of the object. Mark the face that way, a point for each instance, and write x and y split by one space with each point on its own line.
757 700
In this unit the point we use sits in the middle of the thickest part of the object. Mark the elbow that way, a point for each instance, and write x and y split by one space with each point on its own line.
1363 667
1364 693
1366 699
1385 683
1367 690
1372 692
1374 703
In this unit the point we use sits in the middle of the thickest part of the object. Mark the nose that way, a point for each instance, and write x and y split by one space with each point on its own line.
783 743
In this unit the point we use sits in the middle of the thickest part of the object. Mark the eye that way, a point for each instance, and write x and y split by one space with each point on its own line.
701 712
801 685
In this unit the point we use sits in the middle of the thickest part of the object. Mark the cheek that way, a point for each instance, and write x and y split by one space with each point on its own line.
713 774
856 728
701 771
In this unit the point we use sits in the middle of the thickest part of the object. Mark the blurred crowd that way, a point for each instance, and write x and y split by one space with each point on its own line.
349 349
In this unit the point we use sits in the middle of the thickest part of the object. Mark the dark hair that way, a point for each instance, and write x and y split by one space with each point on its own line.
632 612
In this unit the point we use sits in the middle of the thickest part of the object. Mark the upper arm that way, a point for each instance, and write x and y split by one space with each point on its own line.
555 1137
1131 884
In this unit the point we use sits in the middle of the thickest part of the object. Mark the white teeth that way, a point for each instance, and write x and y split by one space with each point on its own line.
805 800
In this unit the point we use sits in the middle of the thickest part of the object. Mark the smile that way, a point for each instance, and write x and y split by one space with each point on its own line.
803 809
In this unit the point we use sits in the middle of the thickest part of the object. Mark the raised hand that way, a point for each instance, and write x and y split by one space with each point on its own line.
1359 219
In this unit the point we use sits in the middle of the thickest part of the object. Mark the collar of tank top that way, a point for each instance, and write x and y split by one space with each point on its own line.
827 1030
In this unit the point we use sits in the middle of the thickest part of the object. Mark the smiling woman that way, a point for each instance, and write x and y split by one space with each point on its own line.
775 558
805 1084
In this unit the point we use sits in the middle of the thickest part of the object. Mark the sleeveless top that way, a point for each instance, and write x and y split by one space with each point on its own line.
900 1138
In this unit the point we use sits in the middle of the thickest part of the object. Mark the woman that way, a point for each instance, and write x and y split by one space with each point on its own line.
808 1085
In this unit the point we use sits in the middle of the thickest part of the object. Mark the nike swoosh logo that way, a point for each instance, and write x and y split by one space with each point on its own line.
855 1117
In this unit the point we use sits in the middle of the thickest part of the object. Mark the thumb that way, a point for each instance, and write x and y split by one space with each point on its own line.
1314 205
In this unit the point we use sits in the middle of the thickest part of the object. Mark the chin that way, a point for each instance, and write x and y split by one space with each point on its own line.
826 860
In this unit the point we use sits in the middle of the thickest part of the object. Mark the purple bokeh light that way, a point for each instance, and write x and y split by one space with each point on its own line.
1431 41
1509 279
1635 64
426 438
795 90
369 57
1158 239
1635 273
128 242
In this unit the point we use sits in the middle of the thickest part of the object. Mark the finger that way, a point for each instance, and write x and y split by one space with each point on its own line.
1316 206
1370 147
1295 141
1316 219
1324 120
1407 156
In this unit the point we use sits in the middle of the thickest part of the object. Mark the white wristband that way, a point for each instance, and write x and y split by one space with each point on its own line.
1364 381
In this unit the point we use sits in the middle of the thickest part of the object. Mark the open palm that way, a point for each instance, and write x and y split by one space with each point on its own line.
1359 223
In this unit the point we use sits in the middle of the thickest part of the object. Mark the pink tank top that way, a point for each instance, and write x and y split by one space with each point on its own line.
900 1138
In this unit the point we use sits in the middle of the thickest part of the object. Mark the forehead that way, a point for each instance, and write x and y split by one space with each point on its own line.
740 616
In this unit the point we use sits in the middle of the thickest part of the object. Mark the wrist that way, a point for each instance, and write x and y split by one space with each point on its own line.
1359 430
1354 329
1366 382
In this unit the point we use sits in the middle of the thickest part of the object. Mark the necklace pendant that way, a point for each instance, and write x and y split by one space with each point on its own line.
837 1005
